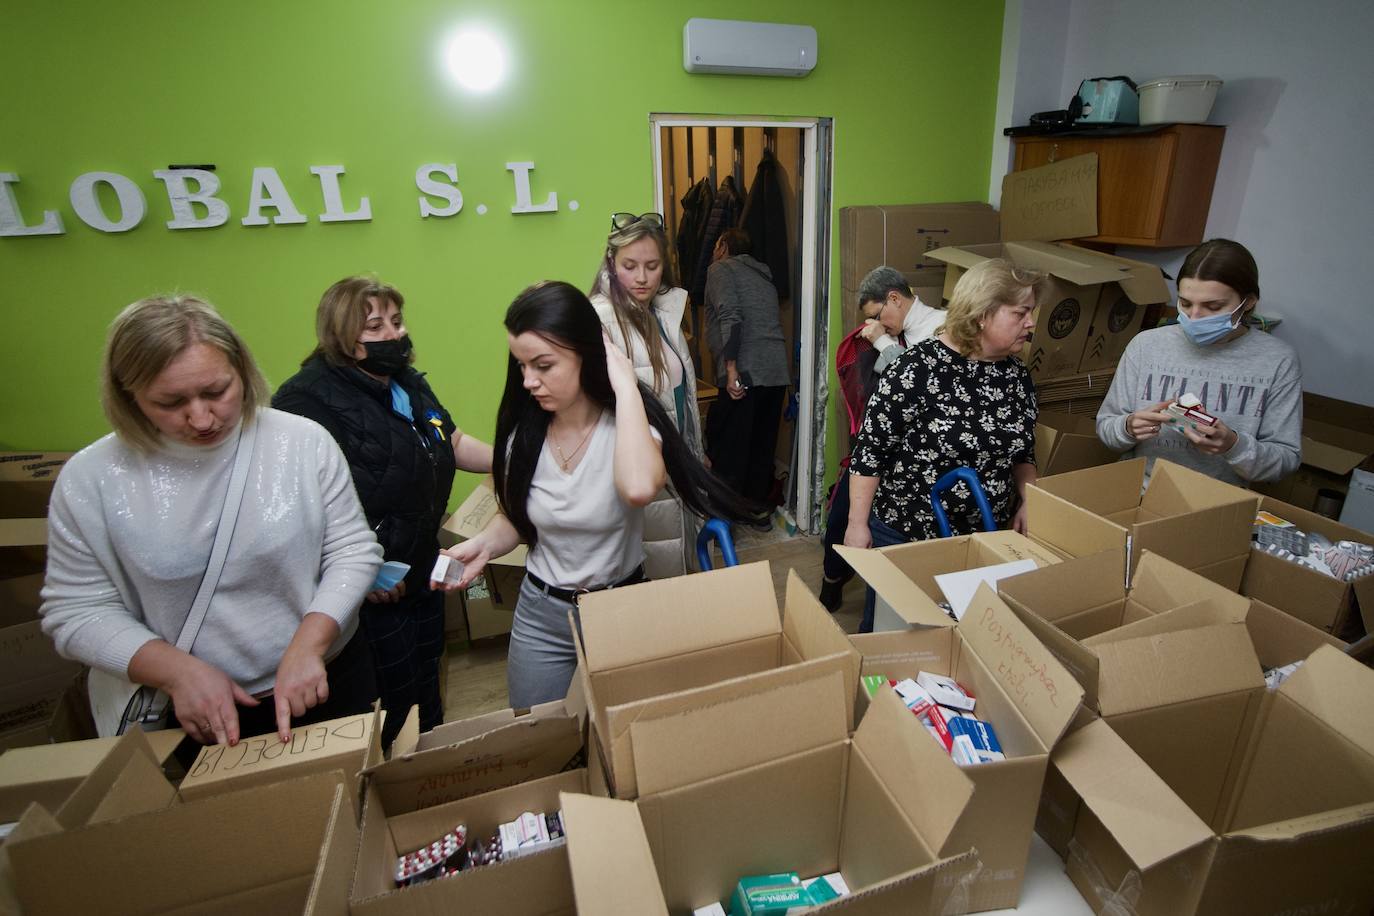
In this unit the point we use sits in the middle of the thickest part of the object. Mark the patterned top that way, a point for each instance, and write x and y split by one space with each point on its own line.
933 411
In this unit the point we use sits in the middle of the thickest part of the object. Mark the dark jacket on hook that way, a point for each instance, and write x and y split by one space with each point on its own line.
765 219
696 207
725 213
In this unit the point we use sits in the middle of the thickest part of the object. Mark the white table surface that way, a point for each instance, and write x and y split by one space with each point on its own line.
1047 891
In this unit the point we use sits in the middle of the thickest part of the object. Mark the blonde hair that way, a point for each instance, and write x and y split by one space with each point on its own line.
629 314
144 339
342 314
982 290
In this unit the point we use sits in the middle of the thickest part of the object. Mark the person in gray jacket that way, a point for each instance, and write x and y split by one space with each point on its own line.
745 336
1250 381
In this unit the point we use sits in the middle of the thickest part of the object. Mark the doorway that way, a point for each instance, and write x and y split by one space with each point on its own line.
705 156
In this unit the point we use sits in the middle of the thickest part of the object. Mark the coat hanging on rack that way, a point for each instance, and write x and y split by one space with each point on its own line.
696 207
765 219
725 213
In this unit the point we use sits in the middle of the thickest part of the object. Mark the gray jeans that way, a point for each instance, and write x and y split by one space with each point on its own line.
542 657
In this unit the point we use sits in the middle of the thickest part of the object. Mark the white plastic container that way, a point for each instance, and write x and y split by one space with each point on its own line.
1178 99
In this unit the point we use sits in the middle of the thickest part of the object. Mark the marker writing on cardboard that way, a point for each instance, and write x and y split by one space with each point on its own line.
1019 654
250 753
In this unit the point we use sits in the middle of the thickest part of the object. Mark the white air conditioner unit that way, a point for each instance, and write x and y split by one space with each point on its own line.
758 48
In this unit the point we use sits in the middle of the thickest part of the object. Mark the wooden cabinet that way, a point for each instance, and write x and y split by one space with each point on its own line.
1153 189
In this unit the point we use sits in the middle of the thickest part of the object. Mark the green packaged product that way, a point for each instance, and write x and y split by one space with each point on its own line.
768 895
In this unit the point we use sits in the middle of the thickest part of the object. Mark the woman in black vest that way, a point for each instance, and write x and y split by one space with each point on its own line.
402 447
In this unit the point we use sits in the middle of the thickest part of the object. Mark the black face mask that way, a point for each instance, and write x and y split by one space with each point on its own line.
386 357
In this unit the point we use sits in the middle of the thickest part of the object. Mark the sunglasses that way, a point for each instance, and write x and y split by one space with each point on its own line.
623 221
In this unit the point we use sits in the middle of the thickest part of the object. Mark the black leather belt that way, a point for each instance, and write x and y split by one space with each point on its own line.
570 595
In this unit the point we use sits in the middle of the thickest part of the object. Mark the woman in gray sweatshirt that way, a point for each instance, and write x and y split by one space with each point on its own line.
1251 382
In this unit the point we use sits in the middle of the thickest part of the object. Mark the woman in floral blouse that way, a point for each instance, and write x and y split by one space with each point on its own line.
959 399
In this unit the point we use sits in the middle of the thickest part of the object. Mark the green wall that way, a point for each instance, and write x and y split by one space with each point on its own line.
132 87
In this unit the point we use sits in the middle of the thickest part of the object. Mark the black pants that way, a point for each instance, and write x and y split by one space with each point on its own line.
742 436
352 690
836 521
407 640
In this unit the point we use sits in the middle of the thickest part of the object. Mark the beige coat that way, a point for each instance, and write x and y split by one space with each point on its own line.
669 531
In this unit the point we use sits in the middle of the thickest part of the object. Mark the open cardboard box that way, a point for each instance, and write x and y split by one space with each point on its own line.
920 562
664 647
1027 696
1270 810
472 756
1120 308
489 603
1068 442
770 782
1200 523
1337 438
26 481
350 743
33 679
1311 596
604 835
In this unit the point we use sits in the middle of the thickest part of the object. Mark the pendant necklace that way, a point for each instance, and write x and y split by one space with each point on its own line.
565 460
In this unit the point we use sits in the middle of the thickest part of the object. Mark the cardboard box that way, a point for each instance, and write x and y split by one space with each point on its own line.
771 782
603 837
1337 438
286 847
1068 442
477 755
1120 308
26 481
902 236
488 605
922 561
33 678
1022 690
1199 523
351 744
1358 509
665 647
1275 820
1321 600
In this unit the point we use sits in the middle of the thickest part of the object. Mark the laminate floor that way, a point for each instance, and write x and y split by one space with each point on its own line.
476 674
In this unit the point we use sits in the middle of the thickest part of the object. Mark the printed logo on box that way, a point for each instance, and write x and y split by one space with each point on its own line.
1064 318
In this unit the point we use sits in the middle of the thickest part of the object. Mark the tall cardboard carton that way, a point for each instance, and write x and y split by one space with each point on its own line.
662 648
769 782
1278 821
1068 442
1318 599
1120 307
902 236
1027 695
1199 523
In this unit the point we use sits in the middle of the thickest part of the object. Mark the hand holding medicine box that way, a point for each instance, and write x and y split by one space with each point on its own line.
446 570
1187 411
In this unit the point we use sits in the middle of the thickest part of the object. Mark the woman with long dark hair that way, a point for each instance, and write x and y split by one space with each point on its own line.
586 447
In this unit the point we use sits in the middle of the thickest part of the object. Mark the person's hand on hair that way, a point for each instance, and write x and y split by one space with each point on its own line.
872 329
387 596
618 367
1214 440
1143 425
203 698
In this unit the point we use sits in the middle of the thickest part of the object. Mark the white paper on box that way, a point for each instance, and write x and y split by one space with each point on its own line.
958 587
714 909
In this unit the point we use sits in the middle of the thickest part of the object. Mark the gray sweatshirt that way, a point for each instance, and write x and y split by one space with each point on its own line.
1253 384
742 322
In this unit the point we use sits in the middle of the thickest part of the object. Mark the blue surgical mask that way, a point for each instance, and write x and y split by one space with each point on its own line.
1204 331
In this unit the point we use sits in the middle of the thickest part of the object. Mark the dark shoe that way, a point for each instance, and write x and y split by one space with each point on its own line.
832 594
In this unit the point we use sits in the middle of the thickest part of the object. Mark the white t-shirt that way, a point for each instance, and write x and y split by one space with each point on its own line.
588 536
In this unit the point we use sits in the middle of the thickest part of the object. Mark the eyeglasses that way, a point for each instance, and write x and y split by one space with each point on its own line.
622 221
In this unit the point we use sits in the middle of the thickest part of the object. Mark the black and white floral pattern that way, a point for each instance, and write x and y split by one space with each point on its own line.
934 410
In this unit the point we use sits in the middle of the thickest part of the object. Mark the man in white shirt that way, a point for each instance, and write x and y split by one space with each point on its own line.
894 317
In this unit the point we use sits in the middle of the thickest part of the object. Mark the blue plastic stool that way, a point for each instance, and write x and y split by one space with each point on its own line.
944 485
717 530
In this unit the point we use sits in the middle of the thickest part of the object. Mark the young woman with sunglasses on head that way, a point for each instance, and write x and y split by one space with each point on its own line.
587 446
1251 382
642 311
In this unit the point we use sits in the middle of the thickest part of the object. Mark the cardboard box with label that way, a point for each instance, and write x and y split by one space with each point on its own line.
1022 690
1253 801
489 603
771 782
1068 442
472 756
1321 600
672 645
1196 521
902 236
602 835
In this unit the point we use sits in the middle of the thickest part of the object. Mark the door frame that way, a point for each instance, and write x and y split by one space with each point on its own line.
813 249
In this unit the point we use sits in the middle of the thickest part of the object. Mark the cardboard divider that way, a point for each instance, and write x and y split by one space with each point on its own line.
612 867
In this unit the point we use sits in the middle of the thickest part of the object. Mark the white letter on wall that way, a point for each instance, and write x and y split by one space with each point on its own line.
132 205
448 192
522 191
333 200
12 221
181 198
268 191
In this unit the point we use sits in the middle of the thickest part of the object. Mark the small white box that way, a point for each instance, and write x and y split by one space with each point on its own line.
945 691
446 569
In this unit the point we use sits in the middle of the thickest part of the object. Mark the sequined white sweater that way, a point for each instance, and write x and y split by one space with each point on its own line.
129 537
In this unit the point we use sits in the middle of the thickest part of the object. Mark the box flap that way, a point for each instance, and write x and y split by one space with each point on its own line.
1333 448
1055 201
667 617
408 738
1143 283
23 532
1175 489
1042 689
612 867
1338 691
1052 259
682 749
1067 588
128 781
1205 613
1314 823
1160 584
813 631
1174 667
898 748
893 586
1143 814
